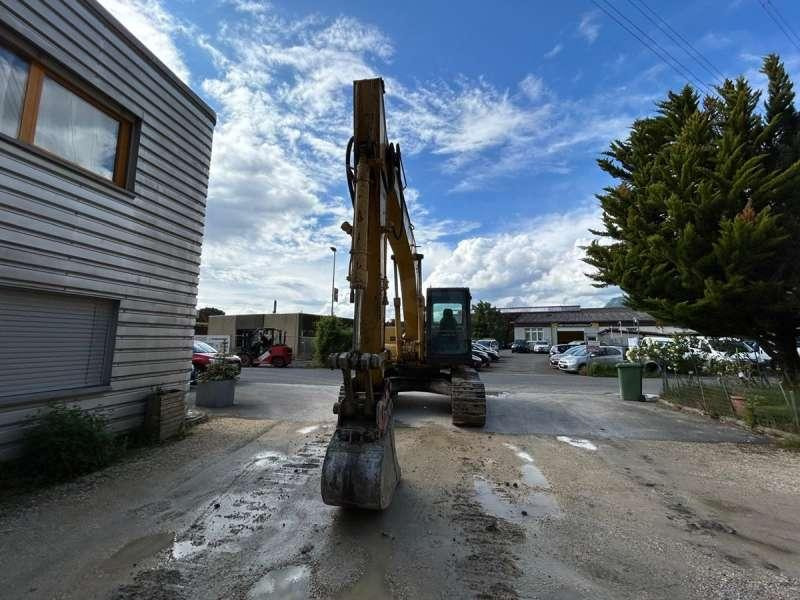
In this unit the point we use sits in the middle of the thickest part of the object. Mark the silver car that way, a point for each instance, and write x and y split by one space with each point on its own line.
555 357
578 360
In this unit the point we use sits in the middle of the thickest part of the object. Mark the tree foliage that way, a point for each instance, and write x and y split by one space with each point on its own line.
332 334
488 322
704 217
208 311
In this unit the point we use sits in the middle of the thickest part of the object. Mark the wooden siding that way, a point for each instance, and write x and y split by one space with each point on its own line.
64 231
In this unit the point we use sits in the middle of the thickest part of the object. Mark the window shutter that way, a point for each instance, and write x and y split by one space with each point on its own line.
53 342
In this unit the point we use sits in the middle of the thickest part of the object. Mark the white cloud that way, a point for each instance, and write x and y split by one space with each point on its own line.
589 27
532 87
283 94
714 41
155 27
539 264
554 51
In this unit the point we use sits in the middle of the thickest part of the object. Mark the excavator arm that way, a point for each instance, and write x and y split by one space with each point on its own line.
360 467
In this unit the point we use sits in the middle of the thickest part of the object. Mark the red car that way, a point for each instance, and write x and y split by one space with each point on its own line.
203 354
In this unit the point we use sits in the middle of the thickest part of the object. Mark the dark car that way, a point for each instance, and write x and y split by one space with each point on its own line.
204 354
520 346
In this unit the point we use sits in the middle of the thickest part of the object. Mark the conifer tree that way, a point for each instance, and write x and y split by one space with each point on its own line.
702 225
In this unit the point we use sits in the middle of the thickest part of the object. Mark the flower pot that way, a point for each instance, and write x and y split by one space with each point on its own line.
215 394
739 405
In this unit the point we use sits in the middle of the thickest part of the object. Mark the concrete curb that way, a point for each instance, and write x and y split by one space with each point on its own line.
195 417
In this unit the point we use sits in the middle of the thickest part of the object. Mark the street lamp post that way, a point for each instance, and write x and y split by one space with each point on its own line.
333 279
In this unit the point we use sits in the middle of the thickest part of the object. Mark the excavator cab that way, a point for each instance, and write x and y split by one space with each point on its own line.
448 327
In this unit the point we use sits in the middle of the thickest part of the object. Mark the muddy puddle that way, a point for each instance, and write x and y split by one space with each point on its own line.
529 472
289 583
577 442
137 550
496 502
248 505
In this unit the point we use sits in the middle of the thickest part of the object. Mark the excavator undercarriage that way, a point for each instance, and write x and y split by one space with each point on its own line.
426 349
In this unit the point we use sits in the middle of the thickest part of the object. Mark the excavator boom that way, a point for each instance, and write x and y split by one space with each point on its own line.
428 353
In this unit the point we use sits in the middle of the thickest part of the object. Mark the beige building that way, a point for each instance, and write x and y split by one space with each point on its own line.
297 327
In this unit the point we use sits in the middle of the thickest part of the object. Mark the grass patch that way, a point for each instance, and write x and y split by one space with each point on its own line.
790 443
765 405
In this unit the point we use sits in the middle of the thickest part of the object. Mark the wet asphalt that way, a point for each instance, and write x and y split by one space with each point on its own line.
567 493
524 396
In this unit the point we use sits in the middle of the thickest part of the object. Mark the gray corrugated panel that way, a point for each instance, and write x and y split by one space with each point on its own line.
151 368
25 179
111 273
67 281
131 343
169 354
95 60
65 231
22 176
152 151
21 227
30 213
150 307
67 248
133 318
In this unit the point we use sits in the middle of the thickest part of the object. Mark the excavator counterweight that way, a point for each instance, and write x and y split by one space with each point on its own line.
430 345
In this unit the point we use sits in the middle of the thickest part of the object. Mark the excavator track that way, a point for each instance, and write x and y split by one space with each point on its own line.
467 397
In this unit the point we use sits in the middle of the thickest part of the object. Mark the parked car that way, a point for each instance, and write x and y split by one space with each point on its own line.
556 356
203 354
477 362
541 347
726 349
484 356
578 361
493 354
559 348
520 346
489 343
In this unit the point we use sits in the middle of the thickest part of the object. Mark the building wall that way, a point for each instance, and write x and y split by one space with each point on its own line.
65 231
520 332
290 323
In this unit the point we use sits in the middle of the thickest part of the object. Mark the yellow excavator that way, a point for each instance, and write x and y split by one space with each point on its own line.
427 348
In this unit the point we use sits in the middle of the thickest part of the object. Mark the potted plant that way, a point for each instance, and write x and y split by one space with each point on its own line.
739 406
216 385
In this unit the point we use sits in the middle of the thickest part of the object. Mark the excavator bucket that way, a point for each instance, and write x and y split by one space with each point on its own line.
360 469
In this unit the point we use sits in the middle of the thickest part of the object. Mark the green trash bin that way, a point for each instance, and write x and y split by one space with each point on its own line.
629 376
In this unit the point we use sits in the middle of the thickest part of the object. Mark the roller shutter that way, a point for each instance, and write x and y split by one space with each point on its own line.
53 342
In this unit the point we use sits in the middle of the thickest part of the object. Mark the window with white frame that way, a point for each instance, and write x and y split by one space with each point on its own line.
534 334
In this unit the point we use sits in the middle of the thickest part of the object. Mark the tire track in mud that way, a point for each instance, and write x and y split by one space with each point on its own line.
491 567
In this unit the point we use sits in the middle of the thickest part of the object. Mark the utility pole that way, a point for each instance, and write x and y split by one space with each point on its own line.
333 279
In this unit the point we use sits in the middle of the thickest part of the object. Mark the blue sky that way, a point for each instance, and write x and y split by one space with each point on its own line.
501 108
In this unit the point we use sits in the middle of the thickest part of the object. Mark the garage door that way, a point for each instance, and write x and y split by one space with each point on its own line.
564 337
53 342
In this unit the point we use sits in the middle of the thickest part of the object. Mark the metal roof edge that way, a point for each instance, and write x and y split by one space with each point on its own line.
148 55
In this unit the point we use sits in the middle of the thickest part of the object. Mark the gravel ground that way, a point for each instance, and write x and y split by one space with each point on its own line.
233 511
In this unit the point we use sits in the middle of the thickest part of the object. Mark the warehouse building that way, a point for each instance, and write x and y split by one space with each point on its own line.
298 329
104 159
559 325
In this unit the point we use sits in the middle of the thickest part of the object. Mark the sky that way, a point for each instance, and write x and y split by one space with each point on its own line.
501 110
